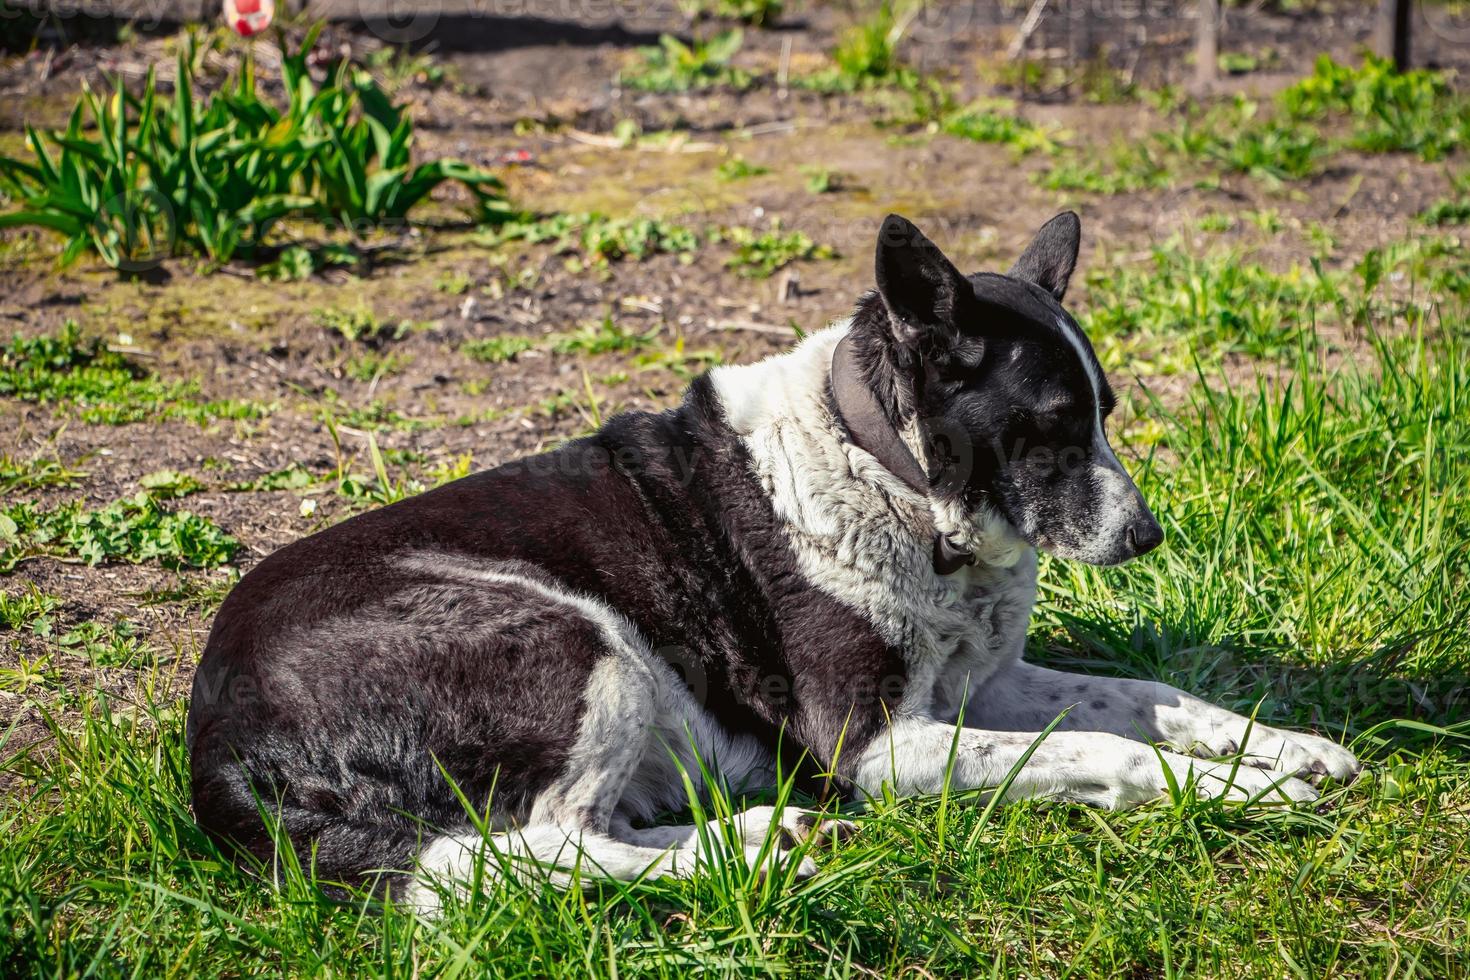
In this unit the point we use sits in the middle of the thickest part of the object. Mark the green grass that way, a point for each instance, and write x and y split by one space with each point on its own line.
1161 319
99 385
1315 566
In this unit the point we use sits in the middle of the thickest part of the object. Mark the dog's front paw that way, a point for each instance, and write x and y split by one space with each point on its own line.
1308 757
1238 782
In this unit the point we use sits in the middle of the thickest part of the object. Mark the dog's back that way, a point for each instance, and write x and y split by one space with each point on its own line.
484 637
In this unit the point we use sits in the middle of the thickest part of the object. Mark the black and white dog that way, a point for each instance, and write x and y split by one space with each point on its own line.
831 551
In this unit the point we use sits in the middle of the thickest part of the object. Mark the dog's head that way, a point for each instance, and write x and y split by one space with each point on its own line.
1007 393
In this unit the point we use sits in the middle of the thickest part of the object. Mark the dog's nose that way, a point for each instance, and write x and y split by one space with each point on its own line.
1143 535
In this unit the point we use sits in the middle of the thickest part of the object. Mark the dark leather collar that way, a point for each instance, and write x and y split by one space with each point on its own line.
868 425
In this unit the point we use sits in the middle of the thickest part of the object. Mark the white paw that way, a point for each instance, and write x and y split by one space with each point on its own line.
794 826
800 825
1310 757
1238 782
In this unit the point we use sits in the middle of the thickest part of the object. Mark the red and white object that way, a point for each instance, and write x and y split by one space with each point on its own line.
249 17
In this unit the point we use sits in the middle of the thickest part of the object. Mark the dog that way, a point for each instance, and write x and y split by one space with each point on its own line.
824 559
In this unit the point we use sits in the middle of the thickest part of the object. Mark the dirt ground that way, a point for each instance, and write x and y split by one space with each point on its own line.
541 92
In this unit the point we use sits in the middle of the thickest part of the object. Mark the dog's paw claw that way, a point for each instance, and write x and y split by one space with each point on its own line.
803 825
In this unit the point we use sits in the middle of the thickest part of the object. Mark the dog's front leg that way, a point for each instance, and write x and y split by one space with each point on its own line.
1024 697
916 755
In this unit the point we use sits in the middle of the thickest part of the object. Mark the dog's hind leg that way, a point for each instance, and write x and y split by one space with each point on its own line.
567 833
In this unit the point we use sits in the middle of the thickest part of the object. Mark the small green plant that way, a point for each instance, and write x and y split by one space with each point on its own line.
107 645
739 168
867 52
756 13
359 324
1127 168
371 365
820 180
300 262
759 254
134 530
170 484
27 608
1451 210
497 350
32 474
293 477
1273 152
997 122
598 239
452 283
1216 222
674 66
137 178
601 337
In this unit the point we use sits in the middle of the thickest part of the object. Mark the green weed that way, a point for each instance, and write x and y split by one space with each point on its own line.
133 530
674 66
497 350
758 255
598 239
739 168
33 474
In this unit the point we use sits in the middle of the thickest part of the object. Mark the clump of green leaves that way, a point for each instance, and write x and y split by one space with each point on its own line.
822 180
497 350
1412 111
739 168
27 609
601 337
997 122
598 239
30 474
1451 210
116 644
674 66
102 386
867 52
169 484
140 177
360 324
756 13
1127 168
759 254
1274 151
134 530
301 262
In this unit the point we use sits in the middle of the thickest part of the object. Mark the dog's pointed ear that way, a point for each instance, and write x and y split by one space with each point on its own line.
920 288
1052 255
